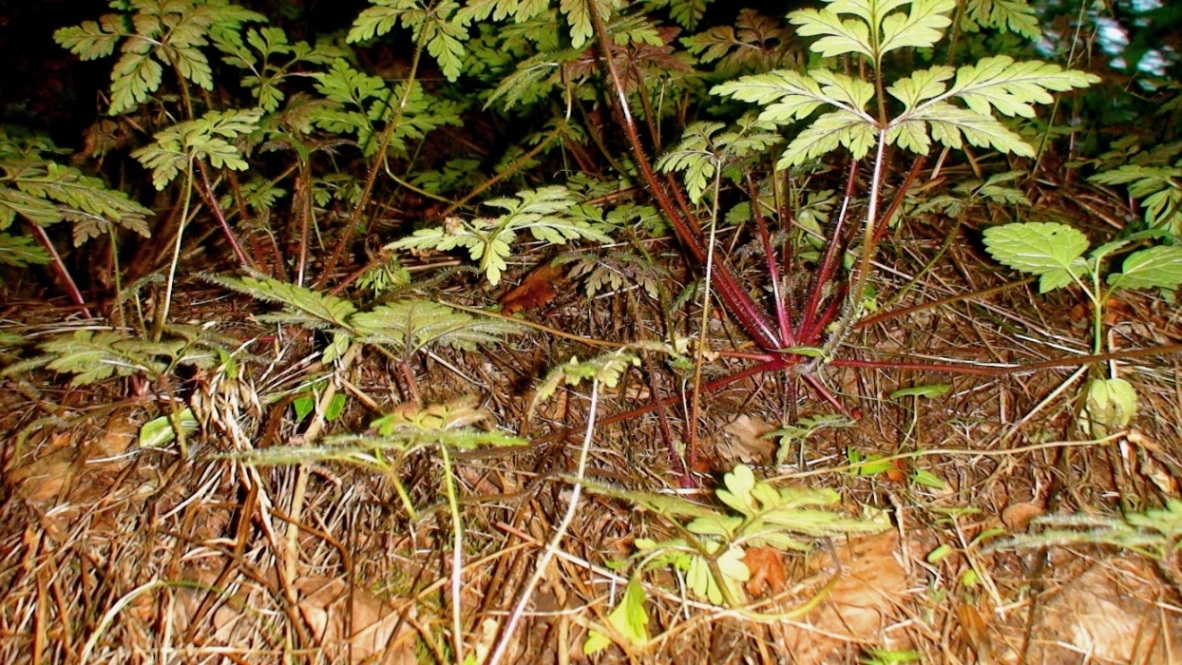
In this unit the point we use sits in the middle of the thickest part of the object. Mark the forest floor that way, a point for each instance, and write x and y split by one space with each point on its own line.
1009 536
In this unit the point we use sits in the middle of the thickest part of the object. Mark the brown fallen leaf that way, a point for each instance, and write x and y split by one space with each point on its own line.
747 439
537 290
860 608
767 568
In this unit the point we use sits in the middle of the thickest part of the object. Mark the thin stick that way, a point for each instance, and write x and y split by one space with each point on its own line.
559 534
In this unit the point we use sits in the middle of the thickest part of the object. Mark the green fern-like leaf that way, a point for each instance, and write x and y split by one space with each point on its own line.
443 38
499 10
157 33
1158 188
412 324
751 44
93 356
301 306
606 369
379 19
877 26
207 138
549 214
1016 16
46 192
21 251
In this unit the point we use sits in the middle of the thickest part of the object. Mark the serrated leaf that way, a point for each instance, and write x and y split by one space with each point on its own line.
1152 268
379 19
999 83
825 134
550 214
1052 251
302 306
133 79
411 324
837 36
922 27
21 251
606 369
1015 16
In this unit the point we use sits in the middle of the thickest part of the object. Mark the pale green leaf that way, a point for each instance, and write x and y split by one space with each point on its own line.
1011 87
159 431
922 27
921 85
379 19
134 77
412 324
951 126
794 95
1052 251
1109 404
302 306
837 36
825 134
1016 16
930 390
21 251
1156 267
629 619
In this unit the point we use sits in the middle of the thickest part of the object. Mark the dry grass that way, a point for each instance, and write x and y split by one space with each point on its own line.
115 554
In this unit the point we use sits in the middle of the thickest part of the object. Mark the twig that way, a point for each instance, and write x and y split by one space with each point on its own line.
559 533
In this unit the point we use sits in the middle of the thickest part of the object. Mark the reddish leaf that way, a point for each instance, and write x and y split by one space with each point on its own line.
767 567
536 290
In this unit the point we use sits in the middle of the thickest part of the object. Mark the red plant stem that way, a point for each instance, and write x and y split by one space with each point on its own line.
737 301
807 329
900 195
812 336
787 337
59 267
206 193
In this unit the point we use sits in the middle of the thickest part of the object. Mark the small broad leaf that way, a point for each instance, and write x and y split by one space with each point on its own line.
1156 267
1052 251
737 494
928 390
159 431
1109 405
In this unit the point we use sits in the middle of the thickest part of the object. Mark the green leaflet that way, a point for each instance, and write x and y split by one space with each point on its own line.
1054 252
549 214
872 29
